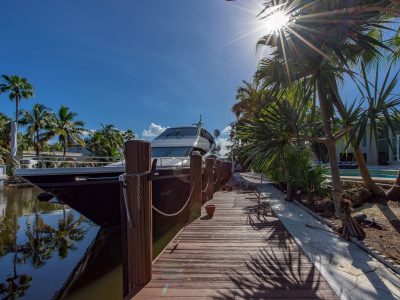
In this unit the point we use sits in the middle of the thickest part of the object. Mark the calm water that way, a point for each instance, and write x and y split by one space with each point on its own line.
373 172
40 244
50 251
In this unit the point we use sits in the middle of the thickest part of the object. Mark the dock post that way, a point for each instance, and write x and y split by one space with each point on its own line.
196 185
210 177
226 172
137 220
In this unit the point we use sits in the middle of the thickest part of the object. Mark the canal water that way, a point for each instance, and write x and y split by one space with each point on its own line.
49 251
41 245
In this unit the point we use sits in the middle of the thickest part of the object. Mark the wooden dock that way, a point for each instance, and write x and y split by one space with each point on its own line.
235 255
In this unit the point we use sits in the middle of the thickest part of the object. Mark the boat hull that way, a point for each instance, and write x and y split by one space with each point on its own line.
97 196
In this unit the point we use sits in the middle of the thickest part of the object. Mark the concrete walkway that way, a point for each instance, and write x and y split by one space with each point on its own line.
350 271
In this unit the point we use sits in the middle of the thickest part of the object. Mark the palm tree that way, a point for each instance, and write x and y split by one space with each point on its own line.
36 120
68 130
108 141
4 137
315 48
251 98
128 135
18 88
380 113
273 136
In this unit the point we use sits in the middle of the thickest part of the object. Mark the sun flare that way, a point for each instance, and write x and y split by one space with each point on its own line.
276 21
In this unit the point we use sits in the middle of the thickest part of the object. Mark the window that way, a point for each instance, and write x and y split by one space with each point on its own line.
173 133
207 136
171 151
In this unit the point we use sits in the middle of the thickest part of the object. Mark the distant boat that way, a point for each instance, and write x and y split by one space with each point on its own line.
95 191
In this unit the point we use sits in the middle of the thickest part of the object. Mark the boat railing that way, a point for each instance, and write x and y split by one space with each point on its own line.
57 161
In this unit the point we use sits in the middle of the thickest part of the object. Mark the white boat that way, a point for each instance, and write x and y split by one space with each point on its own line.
95 191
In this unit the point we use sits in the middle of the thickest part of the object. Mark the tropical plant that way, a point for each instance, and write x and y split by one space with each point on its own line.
18 88
128 135
68 130
379 116
251 98
4 137
108 141
270 140
38 119
310 50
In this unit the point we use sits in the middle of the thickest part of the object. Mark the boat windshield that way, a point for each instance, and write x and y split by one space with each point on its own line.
182 132
170 151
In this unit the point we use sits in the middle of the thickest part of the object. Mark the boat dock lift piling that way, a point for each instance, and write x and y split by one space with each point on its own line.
235 254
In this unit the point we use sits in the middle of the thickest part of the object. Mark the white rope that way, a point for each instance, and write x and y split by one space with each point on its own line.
205 189
216 180
179 211
122 178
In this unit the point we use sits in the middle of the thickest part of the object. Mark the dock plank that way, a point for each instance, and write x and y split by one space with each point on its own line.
235 255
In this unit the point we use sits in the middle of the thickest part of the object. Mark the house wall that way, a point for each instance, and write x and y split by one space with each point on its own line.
367 146
371 148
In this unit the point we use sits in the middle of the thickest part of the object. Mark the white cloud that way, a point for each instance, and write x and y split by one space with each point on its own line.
223 143
86 133
227 130
153 131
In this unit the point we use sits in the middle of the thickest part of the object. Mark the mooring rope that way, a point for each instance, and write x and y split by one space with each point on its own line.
205 189
179 211
122 178
216 180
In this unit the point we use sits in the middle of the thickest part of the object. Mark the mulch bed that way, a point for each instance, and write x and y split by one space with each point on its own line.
384 239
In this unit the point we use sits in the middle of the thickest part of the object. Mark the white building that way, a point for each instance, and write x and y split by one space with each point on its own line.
375 153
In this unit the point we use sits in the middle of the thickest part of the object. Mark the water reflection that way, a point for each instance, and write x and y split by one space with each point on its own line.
16 284
40 244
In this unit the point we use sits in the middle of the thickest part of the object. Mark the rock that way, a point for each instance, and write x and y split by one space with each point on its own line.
360 217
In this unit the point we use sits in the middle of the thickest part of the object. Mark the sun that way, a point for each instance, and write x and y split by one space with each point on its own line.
276 21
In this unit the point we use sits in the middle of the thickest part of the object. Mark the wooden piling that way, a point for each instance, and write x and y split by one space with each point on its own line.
210 177
226 172
137 265
195 184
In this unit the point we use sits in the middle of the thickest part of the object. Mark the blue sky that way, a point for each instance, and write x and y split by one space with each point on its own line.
142 64
132 63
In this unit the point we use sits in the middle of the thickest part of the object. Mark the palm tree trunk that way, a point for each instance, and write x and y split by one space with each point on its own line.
394 192
289 187
17 110
37 143
375 190
350 227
